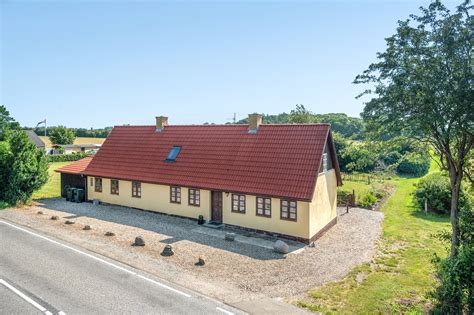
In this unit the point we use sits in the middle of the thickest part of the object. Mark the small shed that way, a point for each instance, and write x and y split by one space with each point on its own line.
71 175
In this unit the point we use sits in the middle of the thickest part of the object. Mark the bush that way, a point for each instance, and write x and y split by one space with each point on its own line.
391 158
23 168
343 196
455 295
66 157
367 200
437 190
416 164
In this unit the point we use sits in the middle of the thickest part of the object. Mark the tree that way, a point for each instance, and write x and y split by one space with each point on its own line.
62 135
301 115
23 168
423 89
6 121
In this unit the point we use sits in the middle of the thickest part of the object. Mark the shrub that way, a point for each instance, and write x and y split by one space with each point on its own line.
455 295
367 200
343 196
23 168
66 157
437 190
416 164
391 158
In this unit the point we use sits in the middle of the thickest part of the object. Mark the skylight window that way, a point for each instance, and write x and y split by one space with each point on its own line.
173 154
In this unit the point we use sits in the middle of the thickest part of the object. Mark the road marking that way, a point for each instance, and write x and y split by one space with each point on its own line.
25 297
99 259
224 311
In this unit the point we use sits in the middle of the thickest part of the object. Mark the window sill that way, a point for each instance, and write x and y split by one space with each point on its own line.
287 219
241 212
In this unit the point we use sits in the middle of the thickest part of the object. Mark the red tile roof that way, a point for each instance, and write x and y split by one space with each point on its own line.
279 160
75 167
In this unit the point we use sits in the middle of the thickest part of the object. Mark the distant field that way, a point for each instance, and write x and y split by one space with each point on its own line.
52 188
79 140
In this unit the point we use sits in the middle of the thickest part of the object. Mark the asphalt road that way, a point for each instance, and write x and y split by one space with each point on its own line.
40 274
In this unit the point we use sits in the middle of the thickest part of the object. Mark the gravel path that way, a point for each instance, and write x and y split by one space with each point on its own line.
252 270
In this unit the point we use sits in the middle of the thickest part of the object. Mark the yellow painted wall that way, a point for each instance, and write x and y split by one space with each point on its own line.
323 207
298 228
311 217
153 198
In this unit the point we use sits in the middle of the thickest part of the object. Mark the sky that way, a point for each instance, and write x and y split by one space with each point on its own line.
104 63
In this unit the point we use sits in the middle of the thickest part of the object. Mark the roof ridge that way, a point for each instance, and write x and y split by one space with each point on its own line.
228 125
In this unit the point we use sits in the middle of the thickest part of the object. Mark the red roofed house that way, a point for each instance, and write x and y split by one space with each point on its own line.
280 179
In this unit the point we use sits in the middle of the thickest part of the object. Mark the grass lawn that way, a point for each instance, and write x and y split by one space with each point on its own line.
78 140
52 188
401 275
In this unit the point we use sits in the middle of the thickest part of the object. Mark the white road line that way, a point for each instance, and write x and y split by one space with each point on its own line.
224 311
25 297
99 259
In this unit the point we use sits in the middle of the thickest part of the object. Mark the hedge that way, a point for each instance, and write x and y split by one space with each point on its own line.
65 157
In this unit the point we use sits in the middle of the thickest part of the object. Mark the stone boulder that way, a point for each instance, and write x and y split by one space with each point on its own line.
54 217
69 222
229 236
201 261
109 233
87 227
139 241
39 212
281 247
167 251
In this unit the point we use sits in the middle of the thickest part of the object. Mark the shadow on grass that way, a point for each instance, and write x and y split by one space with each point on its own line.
430 216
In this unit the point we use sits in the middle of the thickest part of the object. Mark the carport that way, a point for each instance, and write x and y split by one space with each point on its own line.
71 175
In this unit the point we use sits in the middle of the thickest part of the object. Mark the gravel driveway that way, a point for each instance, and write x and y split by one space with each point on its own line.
249 268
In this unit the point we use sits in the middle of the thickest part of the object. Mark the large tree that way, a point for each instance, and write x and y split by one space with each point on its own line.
62 135
422 87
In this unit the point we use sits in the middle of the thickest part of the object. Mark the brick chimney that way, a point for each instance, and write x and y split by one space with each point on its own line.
161 123
255 120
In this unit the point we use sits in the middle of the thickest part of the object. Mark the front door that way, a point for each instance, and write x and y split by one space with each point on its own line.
216 206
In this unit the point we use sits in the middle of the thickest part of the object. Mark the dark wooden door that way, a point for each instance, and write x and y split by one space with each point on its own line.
216 206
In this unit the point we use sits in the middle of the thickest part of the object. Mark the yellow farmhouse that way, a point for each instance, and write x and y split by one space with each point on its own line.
276 179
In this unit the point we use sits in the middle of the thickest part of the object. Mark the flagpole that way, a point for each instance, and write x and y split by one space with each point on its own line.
45 127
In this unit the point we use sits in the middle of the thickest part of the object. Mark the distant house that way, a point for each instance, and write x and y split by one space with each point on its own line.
35 139
278 179
74 148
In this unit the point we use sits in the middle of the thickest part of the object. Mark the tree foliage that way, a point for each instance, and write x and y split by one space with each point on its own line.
61 135
423 89
23 168
349 127
436 190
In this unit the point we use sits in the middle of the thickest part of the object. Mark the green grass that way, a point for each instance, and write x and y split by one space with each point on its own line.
52 189
401 275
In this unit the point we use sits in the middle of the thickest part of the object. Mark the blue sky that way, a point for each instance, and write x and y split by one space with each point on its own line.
94 64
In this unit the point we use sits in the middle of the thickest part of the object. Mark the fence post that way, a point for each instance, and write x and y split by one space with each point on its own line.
353 197
426 205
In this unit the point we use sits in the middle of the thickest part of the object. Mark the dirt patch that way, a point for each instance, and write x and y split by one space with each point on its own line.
233 271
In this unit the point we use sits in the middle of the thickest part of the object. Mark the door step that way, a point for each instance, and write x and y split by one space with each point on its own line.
214 225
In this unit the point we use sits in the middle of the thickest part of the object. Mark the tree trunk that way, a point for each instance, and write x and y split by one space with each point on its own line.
455 179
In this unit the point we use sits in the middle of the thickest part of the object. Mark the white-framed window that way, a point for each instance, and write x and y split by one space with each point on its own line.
264 207
325 162
238 203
